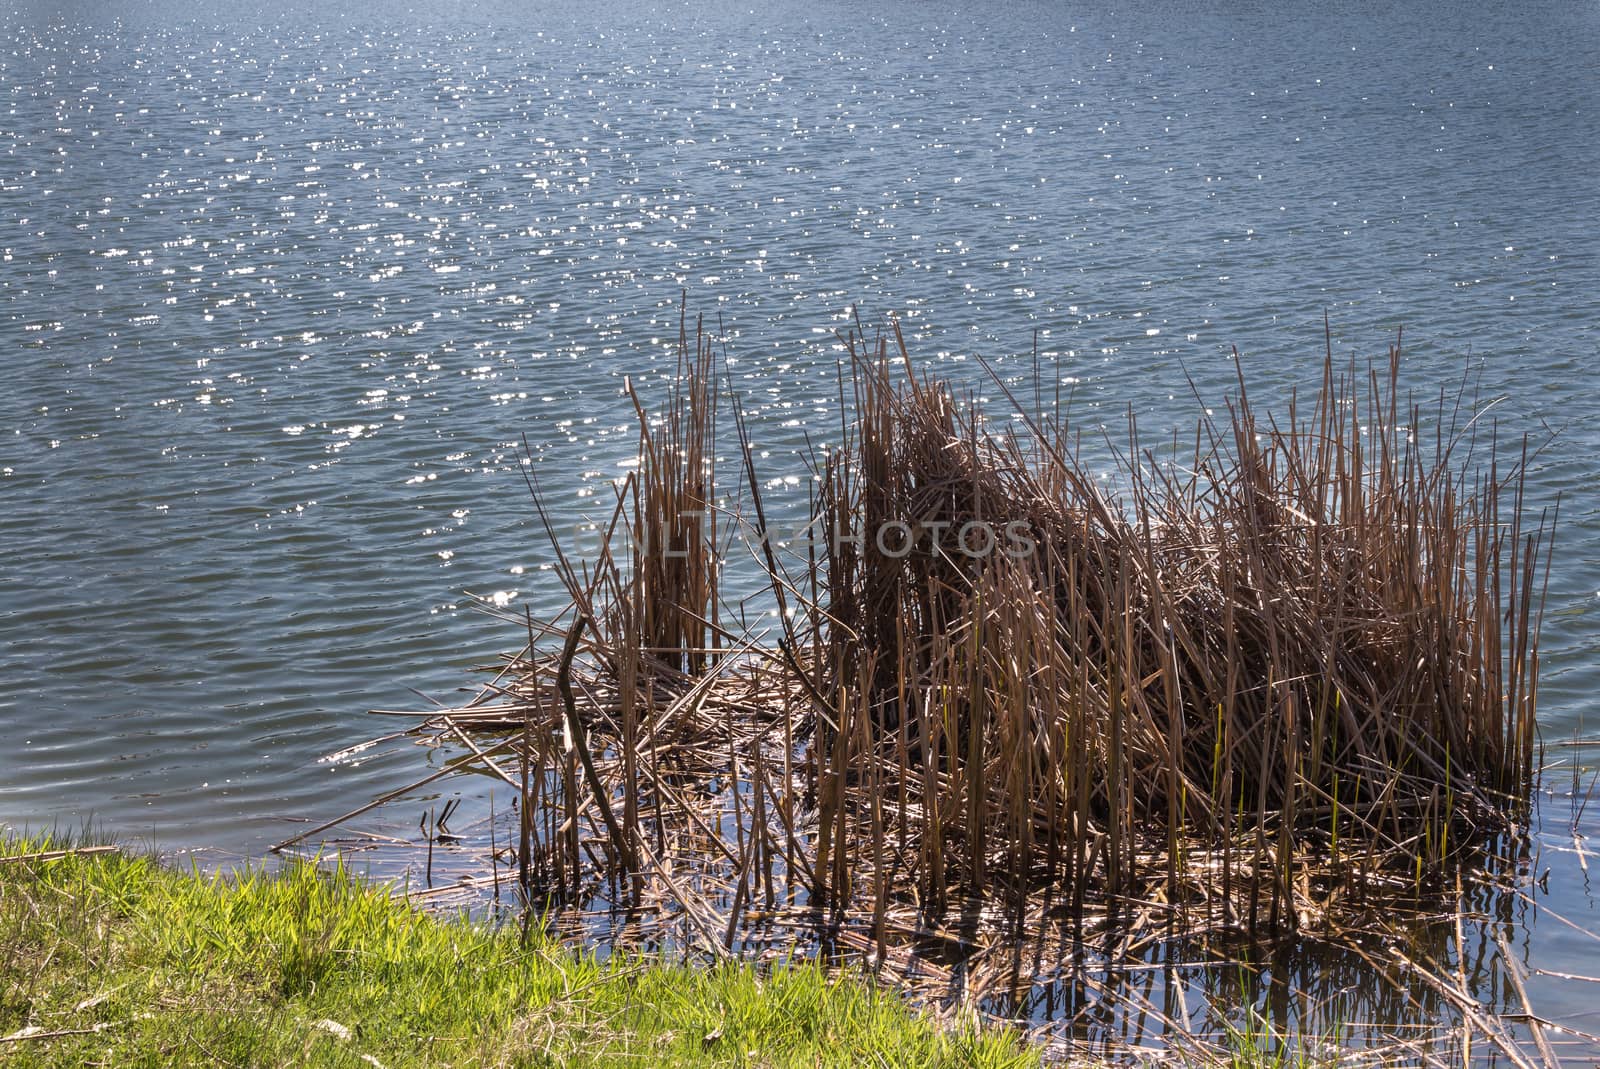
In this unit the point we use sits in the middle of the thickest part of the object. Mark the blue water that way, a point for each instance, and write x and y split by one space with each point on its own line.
281 288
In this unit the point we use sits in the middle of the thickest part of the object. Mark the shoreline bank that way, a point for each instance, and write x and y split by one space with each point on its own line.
116 958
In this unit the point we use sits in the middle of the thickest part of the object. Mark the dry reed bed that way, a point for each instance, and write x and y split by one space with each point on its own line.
1266 686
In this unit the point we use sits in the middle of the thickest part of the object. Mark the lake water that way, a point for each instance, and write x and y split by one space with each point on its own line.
281 289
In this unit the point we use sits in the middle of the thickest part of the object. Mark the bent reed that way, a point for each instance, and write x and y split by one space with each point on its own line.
1276 683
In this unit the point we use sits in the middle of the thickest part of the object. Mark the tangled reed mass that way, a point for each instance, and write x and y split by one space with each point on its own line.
1257 686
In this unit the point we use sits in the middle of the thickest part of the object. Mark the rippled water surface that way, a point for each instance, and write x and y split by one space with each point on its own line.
281 288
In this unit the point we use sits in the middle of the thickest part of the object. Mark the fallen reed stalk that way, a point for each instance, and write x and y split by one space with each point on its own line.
1257 689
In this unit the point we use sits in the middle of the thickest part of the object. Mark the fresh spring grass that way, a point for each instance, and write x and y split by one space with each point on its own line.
114 959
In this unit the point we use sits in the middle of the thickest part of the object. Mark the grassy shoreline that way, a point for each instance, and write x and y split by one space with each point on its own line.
111 958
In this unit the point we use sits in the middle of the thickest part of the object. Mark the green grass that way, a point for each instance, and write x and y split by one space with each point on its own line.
116 960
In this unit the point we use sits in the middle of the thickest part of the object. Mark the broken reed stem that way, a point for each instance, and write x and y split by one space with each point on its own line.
580 744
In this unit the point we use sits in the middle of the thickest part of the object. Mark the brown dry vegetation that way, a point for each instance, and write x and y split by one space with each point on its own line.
1260 687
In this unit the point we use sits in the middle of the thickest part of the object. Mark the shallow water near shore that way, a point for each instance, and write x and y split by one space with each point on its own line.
281 289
